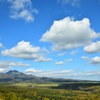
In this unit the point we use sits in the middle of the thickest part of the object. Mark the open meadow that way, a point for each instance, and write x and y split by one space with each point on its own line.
29 91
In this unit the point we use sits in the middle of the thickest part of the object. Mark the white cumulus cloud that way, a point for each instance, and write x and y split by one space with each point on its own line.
48 73
59 63
93 47
42 59
95 60
85 57
2 70
69 33
63 62
25 50
6 64
22 50
32 70
22 9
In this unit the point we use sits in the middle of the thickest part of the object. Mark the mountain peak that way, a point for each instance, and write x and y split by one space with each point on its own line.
12 71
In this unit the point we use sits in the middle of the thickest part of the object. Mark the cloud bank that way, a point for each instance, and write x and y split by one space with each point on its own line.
48 73
6 65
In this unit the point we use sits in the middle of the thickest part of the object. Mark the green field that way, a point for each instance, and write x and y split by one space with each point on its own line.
36 85
31 91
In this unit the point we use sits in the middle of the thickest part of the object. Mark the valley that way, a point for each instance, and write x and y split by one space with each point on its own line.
29 87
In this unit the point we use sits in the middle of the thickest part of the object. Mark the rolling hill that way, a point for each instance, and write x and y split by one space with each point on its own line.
16 76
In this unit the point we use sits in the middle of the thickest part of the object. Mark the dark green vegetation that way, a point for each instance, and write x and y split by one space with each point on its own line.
77 86
37 93
15 85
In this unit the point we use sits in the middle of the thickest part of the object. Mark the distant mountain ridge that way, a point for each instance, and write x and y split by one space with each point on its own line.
16 76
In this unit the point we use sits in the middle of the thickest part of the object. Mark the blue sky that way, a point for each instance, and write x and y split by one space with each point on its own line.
53 38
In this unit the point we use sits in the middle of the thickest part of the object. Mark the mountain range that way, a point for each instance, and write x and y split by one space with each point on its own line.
16 76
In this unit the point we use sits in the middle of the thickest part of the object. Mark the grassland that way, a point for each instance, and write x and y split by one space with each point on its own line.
48 85
31 91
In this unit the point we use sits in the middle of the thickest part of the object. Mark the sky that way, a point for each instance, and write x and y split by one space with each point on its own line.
51 38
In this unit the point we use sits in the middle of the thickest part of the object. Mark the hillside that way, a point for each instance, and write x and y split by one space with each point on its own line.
22 86
16 76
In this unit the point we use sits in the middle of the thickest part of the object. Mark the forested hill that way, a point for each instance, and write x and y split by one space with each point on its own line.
16 76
